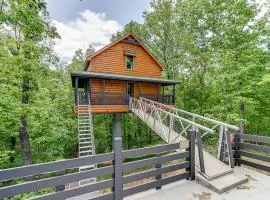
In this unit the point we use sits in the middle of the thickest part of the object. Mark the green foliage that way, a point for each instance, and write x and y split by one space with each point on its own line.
218 50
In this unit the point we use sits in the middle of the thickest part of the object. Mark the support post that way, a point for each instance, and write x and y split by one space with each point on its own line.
118 157
158 86
220 137
200 152
103 91
118 170
140 89
59 188
229 147
237 148
191 135
76 91
158 177
192 154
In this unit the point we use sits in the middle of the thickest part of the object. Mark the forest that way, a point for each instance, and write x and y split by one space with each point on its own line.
218 50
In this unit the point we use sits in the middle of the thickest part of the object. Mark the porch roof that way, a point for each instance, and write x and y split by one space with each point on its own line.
110 76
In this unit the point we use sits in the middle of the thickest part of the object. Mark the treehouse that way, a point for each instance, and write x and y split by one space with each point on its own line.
125 68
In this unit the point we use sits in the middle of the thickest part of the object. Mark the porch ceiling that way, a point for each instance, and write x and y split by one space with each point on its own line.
110 76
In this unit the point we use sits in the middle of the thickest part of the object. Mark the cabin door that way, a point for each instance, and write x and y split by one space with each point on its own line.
130 89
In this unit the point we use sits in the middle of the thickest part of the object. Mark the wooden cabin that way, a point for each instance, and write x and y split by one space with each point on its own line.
121 69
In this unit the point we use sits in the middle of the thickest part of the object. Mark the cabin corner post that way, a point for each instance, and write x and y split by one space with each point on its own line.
76 91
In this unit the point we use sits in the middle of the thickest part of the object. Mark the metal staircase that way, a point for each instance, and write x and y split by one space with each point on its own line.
171 124
86 145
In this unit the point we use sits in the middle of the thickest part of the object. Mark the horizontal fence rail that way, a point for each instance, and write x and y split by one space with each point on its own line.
154 166
253 151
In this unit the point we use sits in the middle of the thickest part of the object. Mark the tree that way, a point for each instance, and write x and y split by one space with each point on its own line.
29 25
134 27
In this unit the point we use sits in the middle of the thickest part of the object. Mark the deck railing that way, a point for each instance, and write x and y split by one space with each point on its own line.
252 150
113 98
121 168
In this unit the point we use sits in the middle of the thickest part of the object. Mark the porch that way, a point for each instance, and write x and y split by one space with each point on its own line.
111 92
110 98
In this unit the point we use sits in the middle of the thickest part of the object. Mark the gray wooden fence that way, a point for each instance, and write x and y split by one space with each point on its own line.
252 150
120 173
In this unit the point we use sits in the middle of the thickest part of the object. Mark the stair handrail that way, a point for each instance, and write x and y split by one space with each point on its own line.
176 116
195 115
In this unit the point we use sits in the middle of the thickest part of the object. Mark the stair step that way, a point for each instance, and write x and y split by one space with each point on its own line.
83 130
223 183
84 142
86 147
88 151
85 155
82 134
85 137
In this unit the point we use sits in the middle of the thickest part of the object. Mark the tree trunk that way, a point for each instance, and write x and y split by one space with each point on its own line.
24 139
23 133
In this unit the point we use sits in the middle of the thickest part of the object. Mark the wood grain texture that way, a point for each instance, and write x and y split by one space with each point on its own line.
112 60
117 86
107 108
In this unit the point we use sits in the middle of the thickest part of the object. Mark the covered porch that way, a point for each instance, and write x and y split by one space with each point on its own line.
101 90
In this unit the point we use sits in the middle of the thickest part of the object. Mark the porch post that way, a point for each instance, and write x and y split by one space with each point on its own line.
89 91
76 91
103 91
158 88
140 91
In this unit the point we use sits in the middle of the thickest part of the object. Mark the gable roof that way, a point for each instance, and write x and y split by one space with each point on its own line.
119 40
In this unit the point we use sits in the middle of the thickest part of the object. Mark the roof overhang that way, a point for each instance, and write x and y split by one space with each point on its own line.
85 75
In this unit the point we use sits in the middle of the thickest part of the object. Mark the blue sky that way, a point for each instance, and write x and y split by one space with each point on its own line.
91 21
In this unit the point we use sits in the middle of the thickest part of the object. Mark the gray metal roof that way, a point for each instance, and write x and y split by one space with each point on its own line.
110 76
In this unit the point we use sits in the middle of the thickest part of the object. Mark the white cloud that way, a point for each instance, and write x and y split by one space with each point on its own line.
89 28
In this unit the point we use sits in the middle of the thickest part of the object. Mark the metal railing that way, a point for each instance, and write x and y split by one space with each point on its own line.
170 127
213 126
121 172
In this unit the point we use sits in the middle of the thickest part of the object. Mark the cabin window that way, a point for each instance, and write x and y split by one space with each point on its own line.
130 62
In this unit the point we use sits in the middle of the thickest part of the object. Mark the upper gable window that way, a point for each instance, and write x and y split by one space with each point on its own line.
130 62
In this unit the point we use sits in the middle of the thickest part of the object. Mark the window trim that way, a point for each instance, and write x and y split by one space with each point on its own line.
133 62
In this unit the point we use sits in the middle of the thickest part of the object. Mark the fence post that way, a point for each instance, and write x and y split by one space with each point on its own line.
158 177
118 170
59 188
229 146
237 148
191 149
200 152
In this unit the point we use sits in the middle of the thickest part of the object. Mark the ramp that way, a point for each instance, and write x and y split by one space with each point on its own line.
172 128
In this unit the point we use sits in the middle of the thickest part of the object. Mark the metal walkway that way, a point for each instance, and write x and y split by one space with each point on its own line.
171 124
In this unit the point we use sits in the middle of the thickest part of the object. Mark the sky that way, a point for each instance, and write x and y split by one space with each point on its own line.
84 22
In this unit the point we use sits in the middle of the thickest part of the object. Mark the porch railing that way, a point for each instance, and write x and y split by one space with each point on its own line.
113 172
112 98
